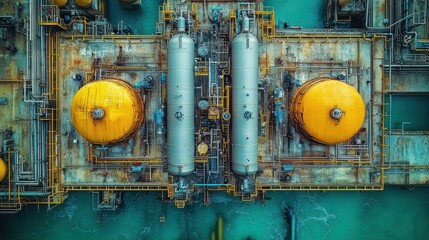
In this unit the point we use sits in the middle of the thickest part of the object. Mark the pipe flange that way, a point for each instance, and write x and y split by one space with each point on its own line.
178 115
247 115
226 116
336 113
97 114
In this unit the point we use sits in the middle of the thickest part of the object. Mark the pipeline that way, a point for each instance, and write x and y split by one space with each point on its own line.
290 217
292 226
211 185
32 57
32 177
36 74
24 194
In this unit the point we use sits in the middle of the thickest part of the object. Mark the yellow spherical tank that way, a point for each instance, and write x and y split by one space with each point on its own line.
3 170
107 111
327 110
83 3
59 3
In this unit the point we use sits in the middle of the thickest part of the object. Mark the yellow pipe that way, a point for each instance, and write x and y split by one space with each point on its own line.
227 90
8 171
220 228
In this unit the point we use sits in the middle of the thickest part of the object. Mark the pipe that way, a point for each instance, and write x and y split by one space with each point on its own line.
33 45
42 54
25 194
390 99
292 225
406 66
31 178
211 185
403 126
371 103
325 33
134 158
29 64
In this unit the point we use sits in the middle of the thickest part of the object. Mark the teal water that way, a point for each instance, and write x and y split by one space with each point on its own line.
141 20
302 13
392 214
412 109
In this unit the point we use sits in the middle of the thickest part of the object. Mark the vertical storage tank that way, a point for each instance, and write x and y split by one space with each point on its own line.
180 103
245 75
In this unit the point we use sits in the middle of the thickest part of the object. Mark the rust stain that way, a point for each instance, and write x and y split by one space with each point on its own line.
382 7
133 76
21 74
77 61
107 61
162 56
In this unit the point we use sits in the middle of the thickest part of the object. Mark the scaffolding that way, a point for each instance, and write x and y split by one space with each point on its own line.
50 16
266 20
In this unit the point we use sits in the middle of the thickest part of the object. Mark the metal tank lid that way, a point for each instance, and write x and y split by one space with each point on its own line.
328 110
107 111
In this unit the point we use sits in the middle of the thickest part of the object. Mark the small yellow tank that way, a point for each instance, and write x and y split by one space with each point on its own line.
3 170
83 3
202 148
107 111
327 110
59 3
342 3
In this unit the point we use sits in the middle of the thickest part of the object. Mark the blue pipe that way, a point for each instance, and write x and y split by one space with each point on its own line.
292 225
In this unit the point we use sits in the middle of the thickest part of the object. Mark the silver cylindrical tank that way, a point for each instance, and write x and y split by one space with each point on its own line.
245 75
180 105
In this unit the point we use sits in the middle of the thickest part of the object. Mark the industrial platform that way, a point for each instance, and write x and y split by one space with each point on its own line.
215 96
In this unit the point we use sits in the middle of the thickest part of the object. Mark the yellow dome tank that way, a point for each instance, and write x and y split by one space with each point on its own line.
59 3
327 110
83 3
3 170
107 111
